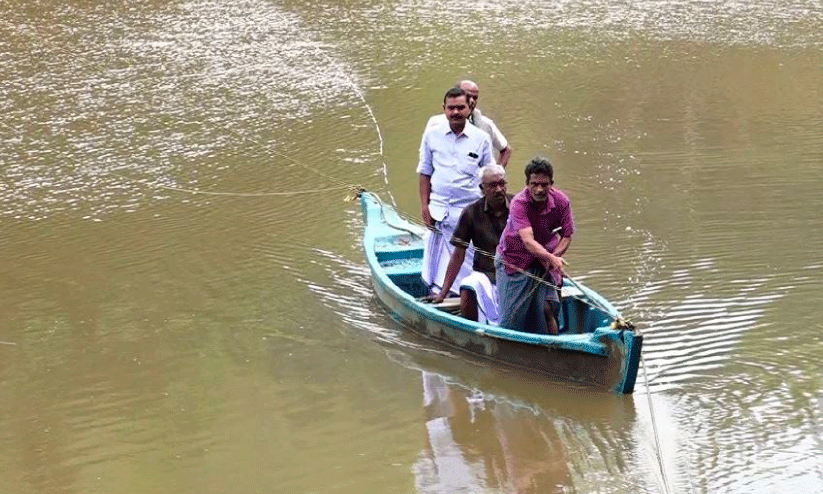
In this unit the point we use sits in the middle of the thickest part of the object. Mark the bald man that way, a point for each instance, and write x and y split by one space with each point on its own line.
499 142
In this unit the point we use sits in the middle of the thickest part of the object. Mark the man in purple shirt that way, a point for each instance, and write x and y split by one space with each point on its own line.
529 248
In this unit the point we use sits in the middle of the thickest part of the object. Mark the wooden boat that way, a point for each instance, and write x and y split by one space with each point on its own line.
595 347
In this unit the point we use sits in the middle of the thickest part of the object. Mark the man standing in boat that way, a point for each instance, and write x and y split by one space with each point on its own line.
529 253
450 156
484 123
499 142
481 223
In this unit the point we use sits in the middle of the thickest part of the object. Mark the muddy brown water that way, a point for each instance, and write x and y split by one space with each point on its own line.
184 302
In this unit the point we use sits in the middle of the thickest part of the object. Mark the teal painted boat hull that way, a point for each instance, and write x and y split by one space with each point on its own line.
588 351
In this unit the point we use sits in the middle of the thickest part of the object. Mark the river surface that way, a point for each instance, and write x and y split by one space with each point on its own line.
184 301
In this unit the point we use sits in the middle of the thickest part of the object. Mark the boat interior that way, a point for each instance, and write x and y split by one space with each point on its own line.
402 262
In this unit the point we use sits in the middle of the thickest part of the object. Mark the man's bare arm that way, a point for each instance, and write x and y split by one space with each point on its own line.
549 260
455 262
505 154
562 246
425 193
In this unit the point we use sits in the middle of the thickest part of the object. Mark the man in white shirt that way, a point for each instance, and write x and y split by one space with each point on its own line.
450 156
484 123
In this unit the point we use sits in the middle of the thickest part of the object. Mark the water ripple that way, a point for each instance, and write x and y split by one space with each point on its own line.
138 115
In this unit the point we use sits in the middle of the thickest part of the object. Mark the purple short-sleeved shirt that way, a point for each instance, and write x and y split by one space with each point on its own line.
542 218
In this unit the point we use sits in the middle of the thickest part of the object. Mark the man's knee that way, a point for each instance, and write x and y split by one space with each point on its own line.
468 304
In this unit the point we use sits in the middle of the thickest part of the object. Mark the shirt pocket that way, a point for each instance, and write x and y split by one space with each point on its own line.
469 164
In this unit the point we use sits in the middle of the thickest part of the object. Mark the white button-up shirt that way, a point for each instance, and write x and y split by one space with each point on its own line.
481 121
452 161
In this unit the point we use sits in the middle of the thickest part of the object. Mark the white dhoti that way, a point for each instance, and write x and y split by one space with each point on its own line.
486 294
437 252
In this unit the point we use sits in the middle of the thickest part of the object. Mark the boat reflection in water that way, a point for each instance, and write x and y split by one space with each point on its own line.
473 444
492 431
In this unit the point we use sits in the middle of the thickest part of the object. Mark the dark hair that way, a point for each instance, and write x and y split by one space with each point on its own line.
541 166
455 92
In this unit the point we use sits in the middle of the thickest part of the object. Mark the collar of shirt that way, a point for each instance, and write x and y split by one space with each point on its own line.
549 200
476 117
486 204
448 130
